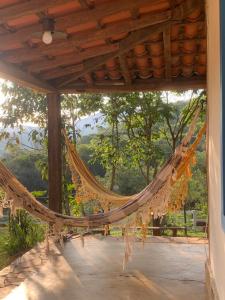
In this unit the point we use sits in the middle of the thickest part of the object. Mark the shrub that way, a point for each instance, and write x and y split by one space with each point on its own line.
24 233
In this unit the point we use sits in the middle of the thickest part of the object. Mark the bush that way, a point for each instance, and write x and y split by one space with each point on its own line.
24 233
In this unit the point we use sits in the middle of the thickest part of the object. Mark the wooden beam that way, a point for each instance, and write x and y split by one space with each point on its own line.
179 84
63 71
33 54
88 78
12 73
167 50
124 69
54 153
60 72
134 38
124 46
73 58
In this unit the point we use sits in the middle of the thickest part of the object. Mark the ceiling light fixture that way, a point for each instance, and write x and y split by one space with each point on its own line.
48 33
48 30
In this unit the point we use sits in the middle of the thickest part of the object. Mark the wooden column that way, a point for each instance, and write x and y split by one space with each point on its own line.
54 152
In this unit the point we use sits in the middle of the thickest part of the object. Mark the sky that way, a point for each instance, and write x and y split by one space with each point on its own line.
172 98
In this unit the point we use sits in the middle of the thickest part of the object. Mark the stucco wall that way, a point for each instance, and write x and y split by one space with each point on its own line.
217 233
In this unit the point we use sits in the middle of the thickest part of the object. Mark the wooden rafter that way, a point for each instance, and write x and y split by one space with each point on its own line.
60 72
124 69
10 72
73 58
93 15
167 50
135 37
138 85
124 46
115 29
26 54
70 63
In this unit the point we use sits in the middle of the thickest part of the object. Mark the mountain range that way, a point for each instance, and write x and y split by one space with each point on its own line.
86 126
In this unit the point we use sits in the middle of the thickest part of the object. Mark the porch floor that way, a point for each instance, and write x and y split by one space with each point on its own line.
159 271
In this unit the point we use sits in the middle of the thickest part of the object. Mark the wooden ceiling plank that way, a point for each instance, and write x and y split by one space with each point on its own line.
10 72
140 85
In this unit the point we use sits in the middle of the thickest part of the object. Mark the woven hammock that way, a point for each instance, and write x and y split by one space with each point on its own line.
88 188
154 199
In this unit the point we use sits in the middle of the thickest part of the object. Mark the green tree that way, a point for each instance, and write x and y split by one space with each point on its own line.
22 163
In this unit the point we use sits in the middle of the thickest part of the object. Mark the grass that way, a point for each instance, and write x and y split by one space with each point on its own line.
5 258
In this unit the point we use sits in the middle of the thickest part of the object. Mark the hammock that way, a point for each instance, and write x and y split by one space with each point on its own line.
88 188
154 199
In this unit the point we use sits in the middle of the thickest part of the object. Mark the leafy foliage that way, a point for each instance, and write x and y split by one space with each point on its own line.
142 130
24 233
24 164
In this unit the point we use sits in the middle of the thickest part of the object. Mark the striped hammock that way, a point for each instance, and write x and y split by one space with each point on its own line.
155 199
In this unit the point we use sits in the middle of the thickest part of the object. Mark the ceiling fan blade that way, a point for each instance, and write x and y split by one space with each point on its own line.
59 35
37 34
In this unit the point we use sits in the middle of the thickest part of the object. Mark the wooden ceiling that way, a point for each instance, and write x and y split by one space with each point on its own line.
111 45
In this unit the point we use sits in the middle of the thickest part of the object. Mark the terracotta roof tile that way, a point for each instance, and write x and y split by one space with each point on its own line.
123 45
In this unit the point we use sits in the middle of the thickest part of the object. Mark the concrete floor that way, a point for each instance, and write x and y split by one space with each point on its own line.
159 271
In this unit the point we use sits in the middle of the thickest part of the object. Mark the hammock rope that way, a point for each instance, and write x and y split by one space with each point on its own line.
154 199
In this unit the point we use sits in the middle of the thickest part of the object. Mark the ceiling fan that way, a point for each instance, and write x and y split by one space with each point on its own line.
48 32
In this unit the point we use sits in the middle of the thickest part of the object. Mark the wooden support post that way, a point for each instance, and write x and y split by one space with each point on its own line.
54 153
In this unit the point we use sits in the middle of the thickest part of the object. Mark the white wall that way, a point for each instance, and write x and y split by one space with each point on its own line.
217 229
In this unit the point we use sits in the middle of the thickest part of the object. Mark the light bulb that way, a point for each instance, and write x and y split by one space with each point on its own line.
47 37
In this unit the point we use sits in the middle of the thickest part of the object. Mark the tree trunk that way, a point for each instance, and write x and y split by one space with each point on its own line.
147 173
54 153
113 177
